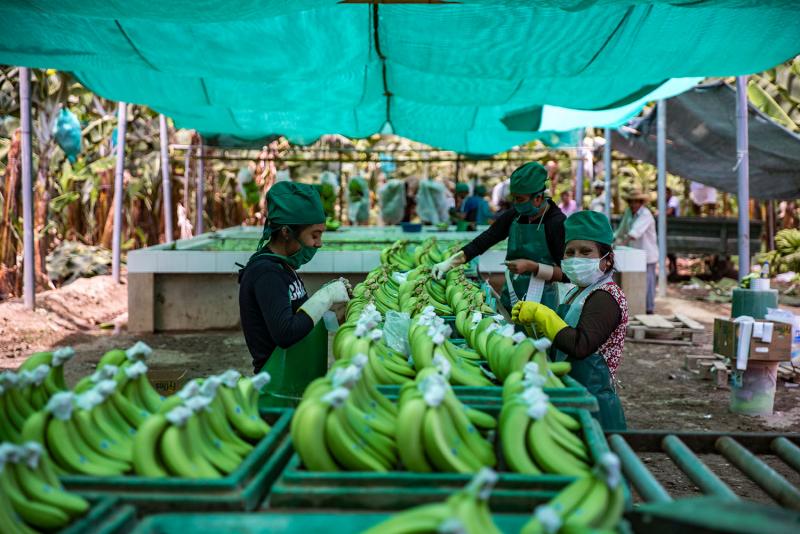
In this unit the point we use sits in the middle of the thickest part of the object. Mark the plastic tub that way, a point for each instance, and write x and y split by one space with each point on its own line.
411 228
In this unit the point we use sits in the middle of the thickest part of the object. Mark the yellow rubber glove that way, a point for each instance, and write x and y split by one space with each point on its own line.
543 318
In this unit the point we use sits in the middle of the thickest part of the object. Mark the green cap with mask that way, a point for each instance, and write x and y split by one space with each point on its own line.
480 190
589 226
529 179
462 188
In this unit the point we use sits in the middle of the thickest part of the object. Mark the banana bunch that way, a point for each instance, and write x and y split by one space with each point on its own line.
787 241
466 511
786 256
398 256
344 423
537 437
385 365
24 393
430 347
116 359
203 431
428 253
595 502
464 296
32 498
435 432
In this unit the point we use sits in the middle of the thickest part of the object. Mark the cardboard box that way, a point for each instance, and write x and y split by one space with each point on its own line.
167 381
726 339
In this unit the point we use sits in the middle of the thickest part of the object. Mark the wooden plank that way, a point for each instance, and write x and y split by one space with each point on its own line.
654 321
692 361
691 323
661 341
720 372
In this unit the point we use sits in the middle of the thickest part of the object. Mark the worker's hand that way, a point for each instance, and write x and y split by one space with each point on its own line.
337 291
441 269
545 320
325 297
522 266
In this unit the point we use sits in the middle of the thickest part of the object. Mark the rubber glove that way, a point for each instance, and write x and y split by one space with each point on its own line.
321 301
442 268
543 318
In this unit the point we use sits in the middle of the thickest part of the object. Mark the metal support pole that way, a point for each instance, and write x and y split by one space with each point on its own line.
767 478
187 162
579 173
122 124
788 452
28 266
661 132
635 471
608 171
200 190
743 167
705 479
165 179
771 224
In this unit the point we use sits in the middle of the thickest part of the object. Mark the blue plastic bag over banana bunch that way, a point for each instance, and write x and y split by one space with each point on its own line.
67 132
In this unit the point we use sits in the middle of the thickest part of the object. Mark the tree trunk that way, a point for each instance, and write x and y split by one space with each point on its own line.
43 194
8 251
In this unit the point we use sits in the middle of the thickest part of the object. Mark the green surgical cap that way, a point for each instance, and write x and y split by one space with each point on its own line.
529 179
588 225
480 190
293 203
462 188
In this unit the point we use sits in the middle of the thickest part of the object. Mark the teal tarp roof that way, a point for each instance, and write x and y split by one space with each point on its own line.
447 75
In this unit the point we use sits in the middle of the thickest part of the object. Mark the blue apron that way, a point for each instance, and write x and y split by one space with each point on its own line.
529 242
592 371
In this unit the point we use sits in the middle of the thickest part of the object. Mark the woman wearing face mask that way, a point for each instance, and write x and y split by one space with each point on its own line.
274 308
589 328
535 232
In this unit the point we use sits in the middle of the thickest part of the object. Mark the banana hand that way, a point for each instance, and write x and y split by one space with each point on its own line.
441 269
543 318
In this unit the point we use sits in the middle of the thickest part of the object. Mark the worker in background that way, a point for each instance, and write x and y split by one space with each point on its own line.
568 206
535 232
410 212
274 308
673 210
461 194
500 195
476 209
588 329
638 230
598 202
358 201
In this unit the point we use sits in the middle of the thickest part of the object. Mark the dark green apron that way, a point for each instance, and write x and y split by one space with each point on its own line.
592 371
528 241
294 368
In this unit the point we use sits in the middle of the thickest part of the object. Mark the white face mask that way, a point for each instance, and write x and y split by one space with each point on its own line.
582 271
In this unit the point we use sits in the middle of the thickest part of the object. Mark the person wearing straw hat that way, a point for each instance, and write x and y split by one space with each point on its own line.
535 233
638 230
588 329
274 308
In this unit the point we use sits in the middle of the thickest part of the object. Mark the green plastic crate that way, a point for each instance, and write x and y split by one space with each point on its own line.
306 522
574 395
396 490
241 490
106 516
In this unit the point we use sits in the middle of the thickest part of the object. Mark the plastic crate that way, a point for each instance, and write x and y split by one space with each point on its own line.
241 490
396 490
106 516
574 395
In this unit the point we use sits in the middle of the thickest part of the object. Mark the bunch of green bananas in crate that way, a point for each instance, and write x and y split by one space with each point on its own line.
536 436
436 432
430 347
362 335
203 431
31 496
466 511
594 502
344 423
398 256
24 393
786 256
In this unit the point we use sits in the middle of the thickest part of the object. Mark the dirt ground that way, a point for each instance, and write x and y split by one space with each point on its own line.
657 392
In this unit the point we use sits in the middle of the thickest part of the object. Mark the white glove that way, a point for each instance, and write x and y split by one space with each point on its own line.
441 269
324 298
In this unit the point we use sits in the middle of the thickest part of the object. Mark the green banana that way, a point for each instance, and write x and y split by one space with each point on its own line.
549 455
37 514
410 422
309 436
343 444
146 458
513 438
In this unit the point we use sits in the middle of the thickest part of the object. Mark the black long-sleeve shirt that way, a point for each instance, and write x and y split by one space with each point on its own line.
599 318
553 223
270 294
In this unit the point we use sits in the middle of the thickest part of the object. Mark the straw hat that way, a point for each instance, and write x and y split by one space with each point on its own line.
635 193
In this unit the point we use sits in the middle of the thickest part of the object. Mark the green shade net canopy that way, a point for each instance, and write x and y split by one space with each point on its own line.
476 77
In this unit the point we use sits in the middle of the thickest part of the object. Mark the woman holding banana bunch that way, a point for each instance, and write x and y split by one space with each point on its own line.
275 310
535 232
588 329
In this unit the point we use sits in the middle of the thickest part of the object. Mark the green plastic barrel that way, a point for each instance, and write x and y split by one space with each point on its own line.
753 303
292 369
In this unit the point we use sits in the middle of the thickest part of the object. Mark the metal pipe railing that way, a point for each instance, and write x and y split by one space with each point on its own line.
787 451
695 469
635 471
767 478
